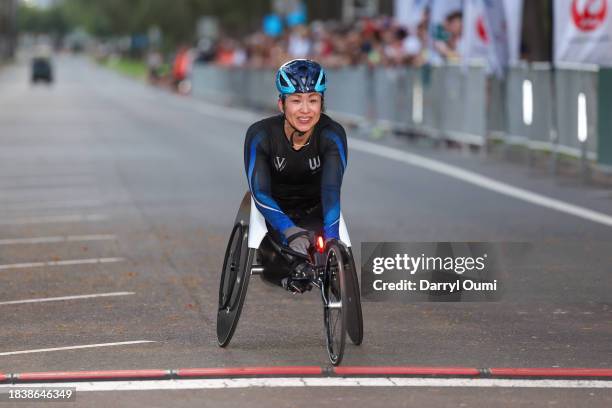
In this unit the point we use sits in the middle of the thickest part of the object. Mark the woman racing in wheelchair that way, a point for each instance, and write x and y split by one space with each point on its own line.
295 162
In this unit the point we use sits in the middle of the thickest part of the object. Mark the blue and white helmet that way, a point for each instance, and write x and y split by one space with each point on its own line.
300 76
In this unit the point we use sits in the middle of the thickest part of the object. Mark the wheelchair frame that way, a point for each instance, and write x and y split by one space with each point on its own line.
256 230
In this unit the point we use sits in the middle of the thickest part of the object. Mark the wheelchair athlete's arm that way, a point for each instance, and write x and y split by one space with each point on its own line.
258 176
334 163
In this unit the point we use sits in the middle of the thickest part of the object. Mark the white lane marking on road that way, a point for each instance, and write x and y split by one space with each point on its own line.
86 346
239 115
35 194
48 184
44 205
54 299
6 175
50 219
316 382
481 181
60 263
55 239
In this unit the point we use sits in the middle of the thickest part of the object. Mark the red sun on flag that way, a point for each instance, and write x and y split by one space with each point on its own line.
587 15
481 30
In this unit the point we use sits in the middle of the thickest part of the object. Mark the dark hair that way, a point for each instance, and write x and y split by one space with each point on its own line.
401 33
454 15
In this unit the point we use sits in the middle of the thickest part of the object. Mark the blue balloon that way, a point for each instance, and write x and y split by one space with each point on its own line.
297 17
272 25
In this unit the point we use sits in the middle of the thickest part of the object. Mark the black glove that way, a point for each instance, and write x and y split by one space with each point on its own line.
299 239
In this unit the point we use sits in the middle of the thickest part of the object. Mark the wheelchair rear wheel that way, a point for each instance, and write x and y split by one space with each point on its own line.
234 283
355 315
335 302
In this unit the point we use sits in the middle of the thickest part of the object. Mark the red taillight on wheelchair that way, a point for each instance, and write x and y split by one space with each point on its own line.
320 244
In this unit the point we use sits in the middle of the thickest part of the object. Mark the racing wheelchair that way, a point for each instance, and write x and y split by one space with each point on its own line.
252 250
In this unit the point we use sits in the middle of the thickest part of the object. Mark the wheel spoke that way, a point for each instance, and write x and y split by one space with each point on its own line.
334 305
335 323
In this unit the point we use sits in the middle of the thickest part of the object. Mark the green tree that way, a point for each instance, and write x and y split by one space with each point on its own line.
177 19
36 20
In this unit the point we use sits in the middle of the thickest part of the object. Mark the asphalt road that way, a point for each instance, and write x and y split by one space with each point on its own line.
108 186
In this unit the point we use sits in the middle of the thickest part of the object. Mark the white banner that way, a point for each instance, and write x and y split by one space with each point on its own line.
475 37
496 27
514 24
485 34
583 31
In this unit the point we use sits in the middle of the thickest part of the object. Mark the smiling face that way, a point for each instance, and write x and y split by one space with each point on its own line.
302 110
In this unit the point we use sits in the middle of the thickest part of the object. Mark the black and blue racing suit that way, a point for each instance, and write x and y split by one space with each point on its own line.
291 187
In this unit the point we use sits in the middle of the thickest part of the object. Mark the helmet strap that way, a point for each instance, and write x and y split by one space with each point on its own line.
299 132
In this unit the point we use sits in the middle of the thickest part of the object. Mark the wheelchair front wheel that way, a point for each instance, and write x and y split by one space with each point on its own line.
335 302
234 283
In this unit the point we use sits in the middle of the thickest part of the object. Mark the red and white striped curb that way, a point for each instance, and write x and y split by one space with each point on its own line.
316 371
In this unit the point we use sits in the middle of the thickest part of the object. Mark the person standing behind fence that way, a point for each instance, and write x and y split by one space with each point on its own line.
154 65
448 44
299 45
415 45
181 66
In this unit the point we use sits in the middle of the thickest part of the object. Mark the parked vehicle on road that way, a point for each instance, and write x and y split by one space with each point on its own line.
42 69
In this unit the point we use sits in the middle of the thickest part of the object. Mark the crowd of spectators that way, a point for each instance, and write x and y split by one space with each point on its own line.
374 41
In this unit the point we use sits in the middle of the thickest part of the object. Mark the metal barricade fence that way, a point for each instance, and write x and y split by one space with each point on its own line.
461 103
531 105
515 128
542 103
211 83
349 92
540 130
430 86
496 108
390 104
264 94
576 104
528 105
475 103
236 80
446 102
410 99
